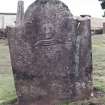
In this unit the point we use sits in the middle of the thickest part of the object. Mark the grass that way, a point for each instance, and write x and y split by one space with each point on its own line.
99 61
7 89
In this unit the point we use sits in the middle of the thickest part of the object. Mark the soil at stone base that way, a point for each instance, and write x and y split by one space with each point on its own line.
98 93
99 98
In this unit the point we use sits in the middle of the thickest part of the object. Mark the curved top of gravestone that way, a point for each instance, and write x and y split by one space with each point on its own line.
50 5
47 19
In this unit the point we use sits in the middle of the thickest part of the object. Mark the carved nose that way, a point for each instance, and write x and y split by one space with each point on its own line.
48 29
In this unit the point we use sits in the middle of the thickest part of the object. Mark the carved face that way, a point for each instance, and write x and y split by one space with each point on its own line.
48 30
48 45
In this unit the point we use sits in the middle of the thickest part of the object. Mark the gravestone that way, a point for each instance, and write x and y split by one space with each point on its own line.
83 59
51 55
20 12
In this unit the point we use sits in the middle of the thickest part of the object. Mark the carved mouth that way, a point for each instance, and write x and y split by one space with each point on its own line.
48 35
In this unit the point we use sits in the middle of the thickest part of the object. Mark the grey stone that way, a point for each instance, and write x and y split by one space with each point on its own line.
20 12
47 54
83 59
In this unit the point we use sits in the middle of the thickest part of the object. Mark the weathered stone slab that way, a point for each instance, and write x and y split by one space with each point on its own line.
47 53
83 59
20 12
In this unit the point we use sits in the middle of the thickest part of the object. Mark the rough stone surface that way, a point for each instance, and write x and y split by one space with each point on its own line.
83 59
51 55
20 12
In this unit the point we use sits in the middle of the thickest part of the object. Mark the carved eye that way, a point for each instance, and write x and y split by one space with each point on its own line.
48 28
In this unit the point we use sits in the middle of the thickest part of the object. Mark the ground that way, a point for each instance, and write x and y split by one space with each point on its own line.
99 61
7 88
